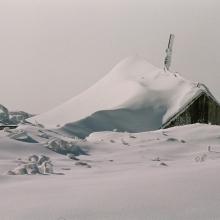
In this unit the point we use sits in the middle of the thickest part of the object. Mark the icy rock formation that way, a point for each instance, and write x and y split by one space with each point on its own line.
65 147
31 168
4 115
7 130
43 135
34 165
72 157
20 135
84 164
46 167
33 158
20 170
17 117
14 117
43 159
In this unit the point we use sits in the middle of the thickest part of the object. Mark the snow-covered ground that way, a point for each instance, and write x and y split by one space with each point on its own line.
164 174
121 168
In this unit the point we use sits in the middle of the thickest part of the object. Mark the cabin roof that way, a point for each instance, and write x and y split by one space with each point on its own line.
203 89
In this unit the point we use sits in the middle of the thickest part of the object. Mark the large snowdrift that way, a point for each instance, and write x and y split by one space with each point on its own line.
135 96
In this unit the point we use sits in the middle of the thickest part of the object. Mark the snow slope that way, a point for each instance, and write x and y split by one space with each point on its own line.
166 175
135 96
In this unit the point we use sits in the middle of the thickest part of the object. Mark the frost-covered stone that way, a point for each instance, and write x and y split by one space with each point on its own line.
17 117
21 135
163 164
4 114
20 170
65 147
34 165
42 159
33 158
10 172
72 157
132 136
124 142
81 163
44 135
7 130
46 167
31 168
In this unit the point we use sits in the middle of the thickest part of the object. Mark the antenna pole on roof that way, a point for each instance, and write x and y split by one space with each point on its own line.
167 61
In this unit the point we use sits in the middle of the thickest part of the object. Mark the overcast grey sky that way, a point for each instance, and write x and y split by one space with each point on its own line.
50 50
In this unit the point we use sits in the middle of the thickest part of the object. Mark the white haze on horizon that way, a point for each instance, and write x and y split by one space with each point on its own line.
50 50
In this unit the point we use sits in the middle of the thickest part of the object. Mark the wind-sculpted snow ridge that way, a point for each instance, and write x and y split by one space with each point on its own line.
135 96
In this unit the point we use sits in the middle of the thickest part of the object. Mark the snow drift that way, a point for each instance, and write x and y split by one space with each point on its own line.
135 96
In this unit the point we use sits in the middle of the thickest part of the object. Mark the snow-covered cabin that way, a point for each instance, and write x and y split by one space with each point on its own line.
134 96
203 108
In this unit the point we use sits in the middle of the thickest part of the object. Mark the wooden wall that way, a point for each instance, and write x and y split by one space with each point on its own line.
202 110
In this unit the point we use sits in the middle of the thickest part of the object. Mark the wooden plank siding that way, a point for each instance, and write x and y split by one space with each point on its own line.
202 109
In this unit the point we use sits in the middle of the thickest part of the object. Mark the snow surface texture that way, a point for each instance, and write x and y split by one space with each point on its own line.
135 97
167 174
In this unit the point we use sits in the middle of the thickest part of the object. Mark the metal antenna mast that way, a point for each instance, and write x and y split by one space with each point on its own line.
168 58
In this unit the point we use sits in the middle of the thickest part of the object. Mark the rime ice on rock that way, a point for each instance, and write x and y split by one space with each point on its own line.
65 147
34 165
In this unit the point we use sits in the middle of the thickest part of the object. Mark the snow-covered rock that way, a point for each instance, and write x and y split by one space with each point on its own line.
34 165
42 159
33 158
46 167
20 135
17 117
4 115
64 147
14 117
